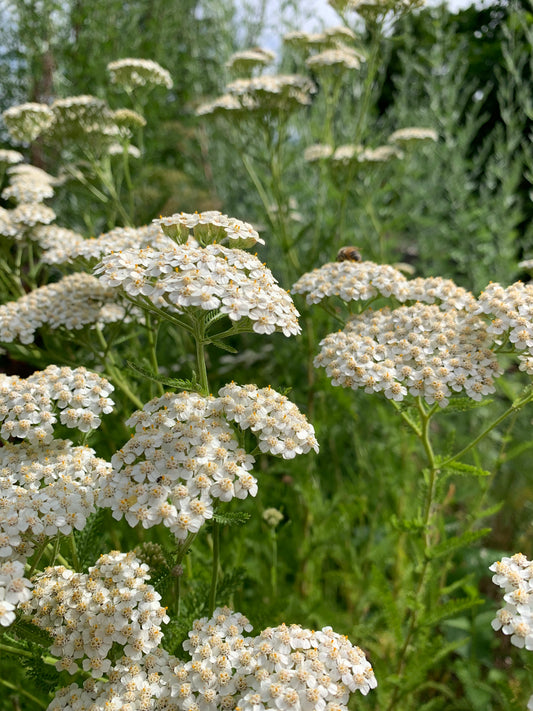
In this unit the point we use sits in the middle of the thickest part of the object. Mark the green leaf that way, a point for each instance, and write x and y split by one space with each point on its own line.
486 513
238 518
463 404
407 525
89 540
171 382
27 631
45 676
388 601
466 469
450 609
457 542
223 346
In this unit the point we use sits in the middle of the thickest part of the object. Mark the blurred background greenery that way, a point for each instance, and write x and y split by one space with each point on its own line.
459 208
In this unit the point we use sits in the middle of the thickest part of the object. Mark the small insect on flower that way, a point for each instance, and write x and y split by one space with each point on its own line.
349 254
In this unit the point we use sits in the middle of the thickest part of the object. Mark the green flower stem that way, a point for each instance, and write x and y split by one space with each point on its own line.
414 611
18 651
113 371
200 340
127 177
215 567
180 555
274 566
74 553
78 175
56 556
37 559
259 187
370 211
10 281
147 305
408 420
332 100
20 690
18 267
151 336
517 404
372 67
276 171
104 173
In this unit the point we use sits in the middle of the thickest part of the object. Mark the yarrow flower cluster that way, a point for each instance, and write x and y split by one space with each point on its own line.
279 91
128 119
28 184
14 589
512 309
346 154
250 58
184 454
276 421
45 490
183 277
316 152
351 281
76 301
421 350
64 246
21 222
133 73
515 576
221 105
86 614
341 57
414 134
29 406
208 227
363 281
263 93
280 668
9 157
380 154
371 10
26 122
85 120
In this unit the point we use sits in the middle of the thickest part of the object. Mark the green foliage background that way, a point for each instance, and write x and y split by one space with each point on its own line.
459 209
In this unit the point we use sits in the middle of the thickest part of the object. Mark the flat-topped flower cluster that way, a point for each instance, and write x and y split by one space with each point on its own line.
186 276
515 576
62 246
260 94
365 281
86 614
76 301
45 490
47 486
282 667
29 407
439 345
420 350
184 455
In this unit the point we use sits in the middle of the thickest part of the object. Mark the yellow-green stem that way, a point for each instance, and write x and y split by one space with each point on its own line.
215 567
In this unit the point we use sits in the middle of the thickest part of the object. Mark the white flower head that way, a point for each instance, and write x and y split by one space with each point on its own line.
186 277
87 614
30 407
46 489
26 122
209 227
132 73
76 301
419 350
